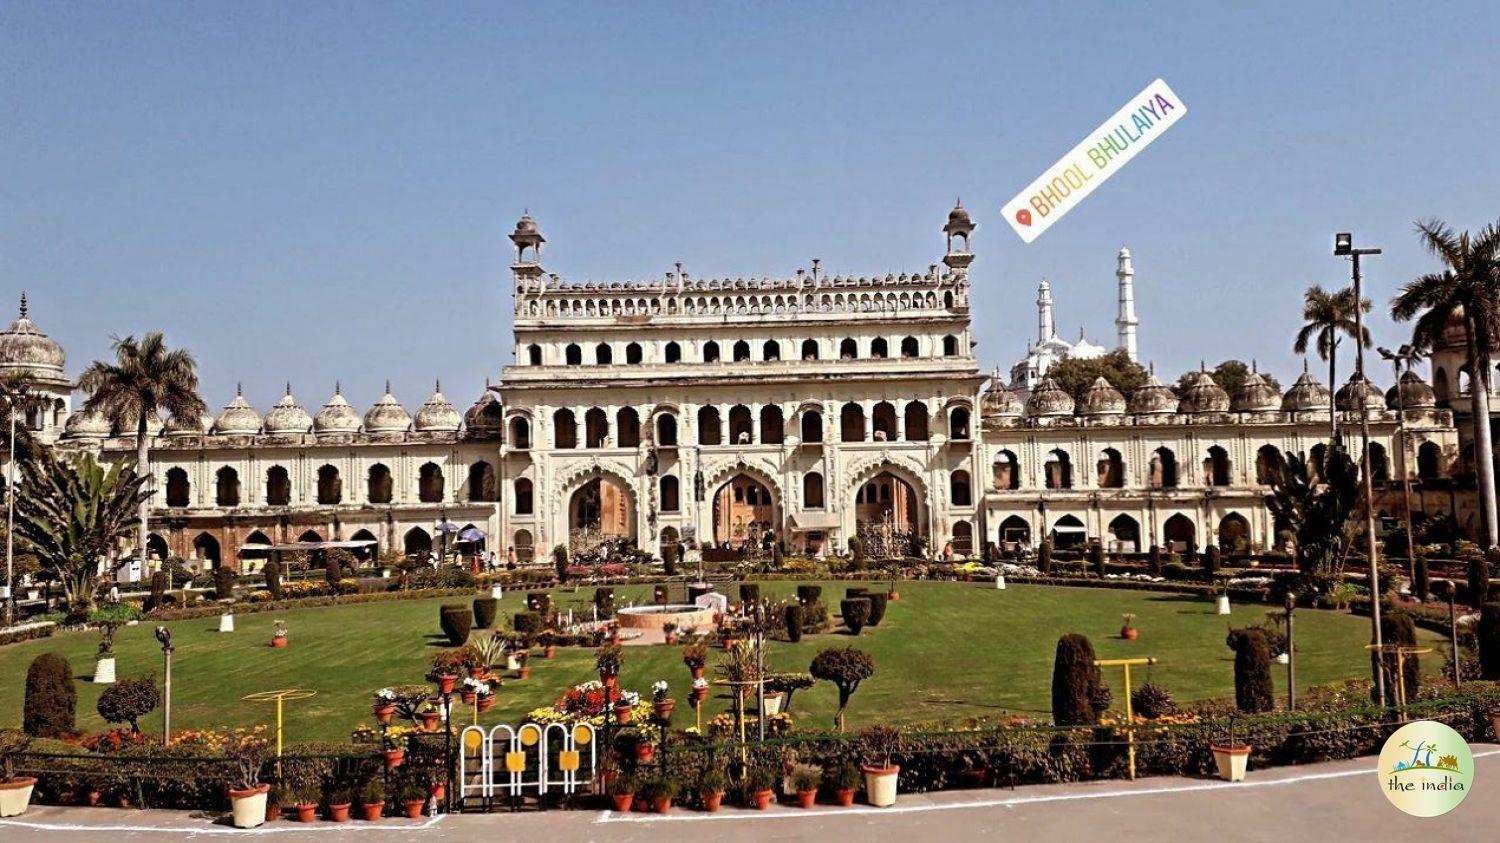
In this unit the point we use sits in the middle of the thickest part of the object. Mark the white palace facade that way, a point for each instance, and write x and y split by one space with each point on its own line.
735 413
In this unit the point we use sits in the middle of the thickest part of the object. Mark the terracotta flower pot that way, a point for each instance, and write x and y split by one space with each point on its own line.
1130 633
549 652
307 813
663 709
608 680
273 811
394 757
278 641
468 697
712 800
486 702
697 696
762 799
93 798
623 713
895 595
436 790
645 752
373 812
844 798
806 798
661 804
413 808
698 672
623 801
383 712
430 720
446 681
476 673
524 672
339 813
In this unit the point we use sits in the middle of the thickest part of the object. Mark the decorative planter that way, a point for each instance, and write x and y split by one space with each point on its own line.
468 697
394 757
844 798
880 784
1130 633
697 696
712 800
248 807
339 813
524 672
104 671
806 798
548 652
33 594
15 795
1283 658
623 801
497 592
307 813
762 799
430 720
373 812
413 808
512 663
623 713
278 641
1231 761
698 672
486 702
476 673
226 623
661 804
663 709
446 682
895 595
999 582
645 752
383 711
771 706
1221 604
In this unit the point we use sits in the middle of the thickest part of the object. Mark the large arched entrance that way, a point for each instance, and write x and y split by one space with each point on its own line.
885 517
206 548
1125 534
744 514
1179 533
1234 533
599 512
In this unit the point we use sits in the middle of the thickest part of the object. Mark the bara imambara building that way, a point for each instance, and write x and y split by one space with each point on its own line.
729 413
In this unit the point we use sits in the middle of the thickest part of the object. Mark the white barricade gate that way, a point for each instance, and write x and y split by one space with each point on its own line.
529 760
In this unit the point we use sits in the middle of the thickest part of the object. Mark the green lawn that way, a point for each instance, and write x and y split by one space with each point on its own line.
944 651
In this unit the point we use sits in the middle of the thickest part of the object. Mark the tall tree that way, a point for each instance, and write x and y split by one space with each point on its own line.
1077 375
1230 375
146 379
70 514
1317 506
1327 318
1466 291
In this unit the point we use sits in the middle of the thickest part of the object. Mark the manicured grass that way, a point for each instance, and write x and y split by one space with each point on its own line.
944 651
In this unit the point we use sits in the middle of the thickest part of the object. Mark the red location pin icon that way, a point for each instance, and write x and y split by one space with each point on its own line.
1023 217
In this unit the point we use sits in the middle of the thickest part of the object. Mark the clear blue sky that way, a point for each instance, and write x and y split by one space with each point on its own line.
322 191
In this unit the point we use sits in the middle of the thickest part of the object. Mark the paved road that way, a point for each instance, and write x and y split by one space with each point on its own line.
1339 800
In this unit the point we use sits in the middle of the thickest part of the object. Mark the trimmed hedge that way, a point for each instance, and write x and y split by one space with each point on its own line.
457 620
793 619
485 609
1253 692
856 612
878 601
1077 685
51 699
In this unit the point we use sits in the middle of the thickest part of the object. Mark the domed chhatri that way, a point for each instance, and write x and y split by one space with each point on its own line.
1102 399
87 425
237 417
438 414
288 417
1358 390
1204 395
1415 394
486 415
25 349
1153 398
337 416
387 416
1305 396
1256 395
178 426
1049 399
1000 402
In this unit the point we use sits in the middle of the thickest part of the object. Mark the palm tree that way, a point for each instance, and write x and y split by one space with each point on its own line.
1326 316
1467 290
146 378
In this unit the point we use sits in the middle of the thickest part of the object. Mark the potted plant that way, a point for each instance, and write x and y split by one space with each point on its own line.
661 704
391 746
878 743
247 797
624 707
429 716
372 798
622 791
278 797
845 779
645 751
1128 630
306 801
15 791
278 634
1231 757
339 801
711 788
486 700
523 664
445 668
758 784
695 657
805 779
471 690
669 631
699 692
607 662
656 793
413 798
384 705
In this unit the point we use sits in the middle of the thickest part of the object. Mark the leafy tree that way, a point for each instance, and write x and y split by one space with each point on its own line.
1075 375
146 379
70 514
51 698
1466 291
1230 375
1327 318
1316 509
845 667
128 700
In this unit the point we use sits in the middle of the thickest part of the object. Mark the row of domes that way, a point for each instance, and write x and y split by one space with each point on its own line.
288 417
1203 395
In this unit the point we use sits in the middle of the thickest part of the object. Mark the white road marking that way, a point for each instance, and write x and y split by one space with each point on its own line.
285 828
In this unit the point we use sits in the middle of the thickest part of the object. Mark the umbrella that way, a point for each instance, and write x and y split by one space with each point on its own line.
471 534
446 526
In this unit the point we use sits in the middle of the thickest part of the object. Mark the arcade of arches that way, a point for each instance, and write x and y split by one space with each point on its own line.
744 511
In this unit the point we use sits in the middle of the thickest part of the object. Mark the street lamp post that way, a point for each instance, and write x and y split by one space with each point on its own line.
1406 355
10 523
1343 246
164 635
1291 654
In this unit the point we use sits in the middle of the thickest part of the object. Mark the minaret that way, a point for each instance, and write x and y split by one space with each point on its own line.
1125 321
1044 328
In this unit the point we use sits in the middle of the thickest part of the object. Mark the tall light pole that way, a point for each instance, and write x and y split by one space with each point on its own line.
1343 246
1404 357
10 523
164 635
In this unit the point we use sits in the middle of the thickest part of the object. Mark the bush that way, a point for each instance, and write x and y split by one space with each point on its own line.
560 562
1044 556
128 700
809 593
528 624
1079 695
159 585
1421 579
484 612
1096 558
332 572
456 620
1152 701
273 578
1175 571
845 667
749 592
51 699
1488 633
793 618
224 580
1213 560
878 600
857 551
1479 580
604 601
1397 628
856 613
1153 560
1253 692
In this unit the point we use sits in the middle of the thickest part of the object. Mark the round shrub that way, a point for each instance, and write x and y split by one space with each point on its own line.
223 583
1488 634
809 593
128 700
456 620
485 609
51 699
1213 560
856 613
1096 559
1079 695
749 592
878 601
273 578
1044 556
793 619
1253 692
1152 701
528 624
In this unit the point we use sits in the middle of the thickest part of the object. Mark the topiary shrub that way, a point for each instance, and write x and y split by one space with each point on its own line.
1044 557
1488 634
1153 559
857 552
793 619
1253 692
528 624
1096 558
845 667
560 562
1079 694
1397 628
1213 560
878 600
604 602
856 612
1421 579
749 592
809 593
485 609
332 573
1479 580
159 584
51 699
669 562
1152 701
273 578
224 583
456 620
128 700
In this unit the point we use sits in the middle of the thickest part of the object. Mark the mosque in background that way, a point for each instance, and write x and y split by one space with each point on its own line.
731 412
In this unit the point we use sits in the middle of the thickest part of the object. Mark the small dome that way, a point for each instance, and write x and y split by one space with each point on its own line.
1204 395
438 414
1357 391
24 348
526 225
1152 398
237 417
336 416
999 401
1305 396
486 416
288 417
1101 399
126 426
177 426
1415 394
1049 399
86 425
387 416
1255 395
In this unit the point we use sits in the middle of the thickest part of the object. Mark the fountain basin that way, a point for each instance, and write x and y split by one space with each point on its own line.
655 617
